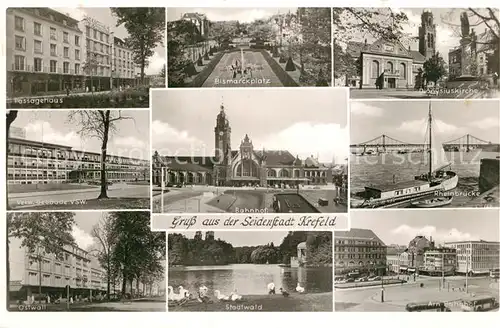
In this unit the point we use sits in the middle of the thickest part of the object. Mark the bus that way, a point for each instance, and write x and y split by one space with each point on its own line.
495 273
479 303
427 306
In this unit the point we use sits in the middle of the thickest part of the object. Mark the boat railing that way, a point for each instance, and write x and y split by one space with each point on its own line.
395 200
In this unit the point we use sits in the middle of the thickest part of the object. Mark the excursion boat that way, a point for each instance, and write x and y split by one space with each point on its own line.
438 179
433 202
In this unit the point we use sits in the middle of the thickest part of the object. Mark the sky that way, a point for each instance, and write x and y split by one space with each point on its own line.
243 238
447 22
243 15
307 121
399 227
104 16
406 120
130 140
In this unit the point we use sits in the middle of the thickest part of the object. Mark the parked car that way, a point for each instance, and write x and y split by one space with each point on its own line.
376 278
362 279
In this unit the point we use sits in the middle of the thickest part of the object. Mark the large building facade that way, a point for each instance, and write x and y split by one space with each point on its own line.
439 261
359 250
391 64
476 257
243 166
31 273
33 162
49 52
44 52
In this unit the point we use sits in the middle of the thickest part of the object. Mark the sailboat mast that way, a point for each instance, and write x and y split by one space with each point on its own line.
430 141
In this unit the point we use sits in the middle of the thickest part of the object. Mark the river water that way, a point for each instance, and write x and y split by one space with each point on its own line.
386 168
249 279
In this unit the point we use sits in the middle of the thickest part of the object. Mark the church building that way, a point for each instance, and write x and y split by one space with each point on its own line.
390 64
242 166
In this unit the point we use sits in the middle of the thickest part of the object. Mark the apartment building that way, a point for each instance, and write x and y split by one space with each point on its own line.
33 162
44 52
476 257
32 272
124 70
97 52
359 250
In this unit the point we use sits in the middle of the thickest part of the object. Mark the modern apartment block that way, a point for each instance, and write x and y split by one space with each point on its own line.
124 69
33 162
31 273
476 257
44 52
49 52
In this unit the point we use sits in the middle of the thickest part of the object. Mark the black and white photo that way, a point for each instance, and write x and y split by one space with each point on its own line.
250 151
424 154
260 271
249 47
414 261
408 53
86 159
81 57
85 262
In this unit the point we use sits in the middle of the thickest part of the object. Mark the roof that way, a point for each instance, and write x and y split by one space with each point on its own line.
472 241
417 56
358 233
397 185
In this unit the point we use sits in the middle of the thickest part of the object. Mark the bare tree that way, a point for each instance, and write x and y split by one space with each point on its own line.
98 124
103 233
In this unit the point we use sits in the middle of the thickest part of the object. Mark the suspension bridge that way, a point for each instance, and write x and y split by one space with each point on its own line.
384 143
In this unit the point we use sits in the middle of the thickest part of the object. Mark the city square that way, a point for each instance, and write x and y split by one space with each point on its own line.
84 57
271 172
418 53
437 261
234 47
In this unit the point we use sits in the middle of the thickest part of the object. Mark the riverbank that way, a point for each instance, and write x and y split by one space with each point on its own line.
316 302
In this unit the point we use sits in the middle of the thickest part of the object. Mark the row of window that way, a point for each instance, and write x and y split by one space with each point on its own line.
359 256
37 66
375 69
20 162
20 44
38 30
357 242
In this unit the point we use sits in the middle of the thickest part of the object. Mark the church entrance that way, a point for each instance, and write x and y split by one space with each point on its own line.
391 83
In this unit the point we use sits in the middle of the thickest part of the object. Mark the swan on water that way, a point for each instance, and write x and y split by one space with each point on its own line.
221 297
203 291
299 288
183 291
271 288
175 297
284 292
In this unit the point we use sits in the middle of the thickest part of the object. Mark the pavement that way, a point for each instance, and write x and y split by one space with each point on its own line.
367 299
137 305
262 74
76 197
415 94
62 95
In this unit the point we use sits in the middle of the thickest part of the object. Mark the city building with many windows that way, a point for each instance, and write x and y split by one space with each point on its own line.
413 257
439 261
476 257
44 52
359 250
124 70
32 162
31 273
243 166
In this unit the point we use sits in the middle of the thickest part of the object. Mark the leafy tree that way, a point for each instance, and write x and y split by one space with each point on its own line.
105 237
40 232
260 30
435 68
138 251
146 29
98 124
181 35
223 32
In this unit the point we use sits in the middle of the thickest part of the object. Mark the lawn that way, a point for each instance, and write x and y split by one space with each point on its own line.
100 204
39 187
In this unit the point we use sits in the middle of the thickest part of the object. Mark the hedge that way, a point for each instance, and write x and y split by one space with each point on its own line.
283 76
199 79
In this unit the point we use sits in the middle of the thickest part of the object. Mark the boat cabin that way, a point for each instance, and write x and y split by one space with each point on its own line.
398 189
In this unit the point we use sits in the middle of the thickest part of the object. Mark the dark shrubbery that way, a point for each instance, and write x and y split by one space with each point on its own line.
290 65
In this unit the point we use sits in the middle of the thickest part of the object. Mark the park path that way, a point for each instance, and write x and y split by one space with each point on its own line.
262 76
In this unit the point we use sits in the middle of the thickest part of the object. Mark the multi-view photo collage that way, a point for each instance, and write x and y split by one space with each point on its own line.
252 159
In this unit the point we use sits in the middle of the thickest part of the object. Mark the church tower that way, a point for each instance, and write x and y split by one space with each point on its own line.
427 35
222 138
